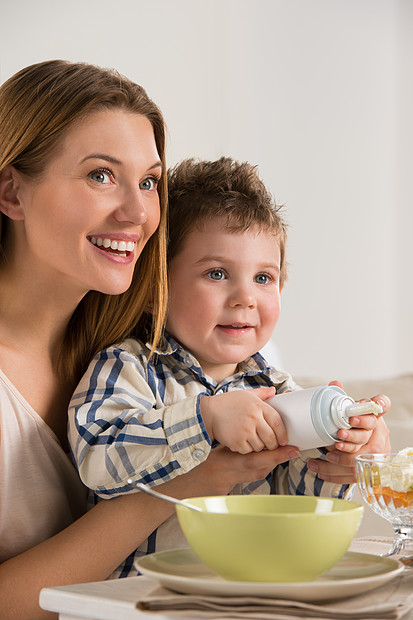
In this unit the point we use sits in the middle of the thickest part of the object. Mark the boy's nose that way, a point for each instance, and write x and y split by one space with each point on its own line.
242 297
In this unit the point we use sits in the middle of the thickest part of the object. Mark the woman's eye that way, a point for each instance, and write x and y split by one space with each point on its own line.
101 176
216 274
262 278
149 184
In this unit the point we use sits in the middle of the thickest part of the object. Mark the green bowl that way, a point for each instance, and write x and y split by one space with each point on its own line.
278 538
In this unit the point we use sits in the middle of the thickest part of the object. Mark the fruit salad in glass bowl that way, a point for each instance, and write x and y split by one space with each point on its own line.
386 485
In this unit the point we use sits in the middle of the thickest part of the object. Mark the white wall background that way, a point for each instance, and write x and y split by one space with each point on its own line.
318 94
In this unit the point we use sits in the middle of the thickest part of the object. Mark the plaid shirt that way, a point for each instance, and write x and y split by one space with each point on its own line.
135 418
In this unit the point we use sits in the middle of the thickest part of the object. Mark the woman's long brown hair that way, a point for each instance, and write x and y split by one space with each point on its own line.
37 105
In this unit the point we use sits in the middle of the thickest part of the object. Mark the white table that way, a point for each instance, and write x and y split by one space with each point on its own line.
102 600
116 599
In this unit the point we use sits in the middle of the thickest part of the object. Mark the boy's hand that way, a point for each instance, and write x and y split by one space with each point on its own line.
339 467
352 439
243 421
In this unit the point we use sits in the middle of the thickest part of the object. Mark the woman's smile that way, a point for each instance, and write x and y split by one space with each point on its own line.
115 246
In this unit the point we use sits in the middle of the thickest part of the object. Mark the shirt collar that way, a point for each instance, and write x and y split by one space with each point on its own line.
169 346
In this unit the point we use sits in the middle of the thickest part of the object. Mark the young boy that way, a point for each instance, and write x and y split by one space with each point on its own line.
150 416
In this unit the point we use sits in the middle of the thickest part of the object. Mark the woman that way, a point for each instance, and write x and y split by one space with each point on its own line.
82 201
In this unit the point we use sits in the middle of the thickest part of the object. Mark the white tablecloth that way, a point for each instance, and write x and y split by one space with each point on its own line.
118 599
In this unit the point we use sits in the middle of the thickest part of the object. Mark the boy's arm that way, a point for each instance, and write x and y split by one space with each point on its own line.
118 430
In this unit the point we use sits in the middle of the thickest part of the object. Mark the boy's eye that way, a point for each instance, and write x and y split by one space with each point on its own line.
101 176
262 278
216 274
149 184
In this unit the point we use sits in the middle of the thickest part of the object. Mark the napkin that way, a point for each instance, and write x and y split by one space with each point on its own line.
391 601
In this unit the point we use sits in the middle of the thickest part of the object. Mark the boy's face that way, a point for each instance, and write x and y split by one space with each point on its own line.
224 297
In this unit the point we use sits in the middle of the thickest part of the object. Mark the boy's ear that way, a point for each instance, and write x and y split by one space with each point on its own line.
9 194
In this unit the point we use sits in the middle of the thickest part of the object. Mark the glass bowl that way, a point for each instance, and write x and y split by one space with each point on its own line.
386 485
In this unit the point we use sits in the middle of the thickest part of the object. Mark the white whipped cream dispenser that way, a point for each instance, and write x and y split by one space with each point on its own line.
313 416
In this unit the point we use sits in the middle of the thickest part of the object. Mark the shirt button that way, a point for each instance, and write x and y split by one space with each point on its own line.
188 361
198 455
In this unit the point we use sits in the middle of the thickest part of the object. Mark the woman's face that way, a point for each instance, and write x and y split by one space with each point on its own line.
84 224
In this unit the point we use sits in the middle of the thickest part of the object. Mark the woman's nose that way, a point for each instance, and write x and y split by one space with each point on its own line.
132 208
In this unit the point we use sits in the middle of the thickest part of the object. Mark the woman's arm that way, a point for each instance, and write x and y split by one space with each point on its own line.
92 547
87 550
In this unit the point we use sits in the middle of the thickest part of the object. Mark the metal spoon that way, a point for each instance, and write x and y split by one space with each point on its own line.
173 500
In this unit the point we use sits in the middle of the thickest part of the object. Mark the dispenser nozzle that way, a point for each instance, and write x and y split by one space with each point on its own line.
363 408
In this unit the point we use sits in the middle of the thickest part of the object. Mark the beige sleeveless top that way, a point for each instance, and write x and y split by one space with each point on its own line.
40 490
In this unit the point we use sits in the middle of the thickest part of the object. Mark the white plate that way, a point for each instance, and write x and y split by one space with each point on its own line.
182 571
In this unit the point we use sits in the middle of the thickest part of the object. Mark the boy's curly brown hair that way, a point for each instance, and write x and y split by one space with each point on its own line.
227 189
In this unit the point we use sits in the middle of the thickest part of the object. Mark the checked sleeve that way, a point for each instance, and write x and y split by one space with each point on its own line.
121 428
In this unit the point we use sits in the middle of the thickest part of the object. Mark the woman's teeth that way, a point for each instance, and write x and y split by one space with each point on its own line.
113 244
